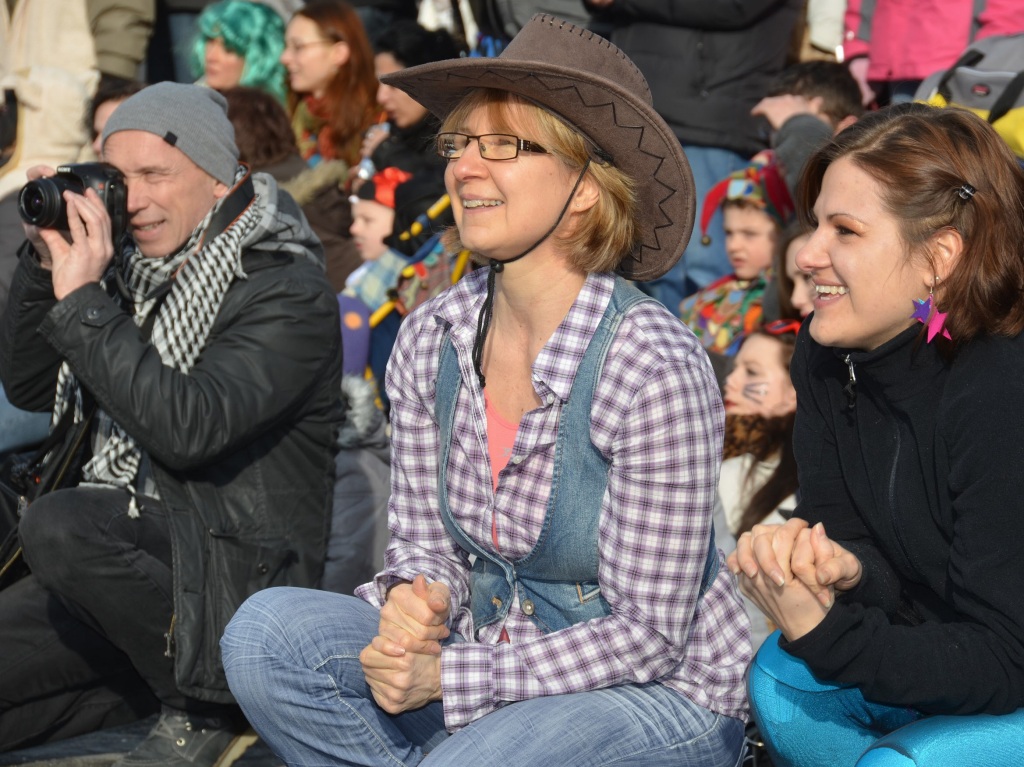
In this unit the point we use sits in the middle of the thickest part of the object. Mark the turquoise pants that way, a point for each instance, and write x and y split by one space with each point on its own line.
807 723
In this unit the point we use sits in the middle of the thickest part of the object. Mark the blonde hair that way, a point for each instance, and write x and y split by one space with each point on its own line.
606 233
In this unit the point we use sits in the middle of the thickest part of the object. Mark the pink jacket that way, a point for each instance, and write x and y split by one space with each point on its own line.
911 39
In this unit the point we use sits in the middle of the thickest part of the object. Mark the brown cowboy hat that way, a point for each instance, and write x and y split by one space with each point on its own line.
596 89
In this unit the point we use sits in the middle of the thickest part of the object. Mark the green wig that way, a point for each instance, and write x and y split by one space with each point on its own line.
252 30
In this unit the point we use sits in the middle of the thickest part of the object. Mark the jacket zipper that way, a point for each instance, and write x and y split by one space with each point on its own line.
848 390
169 636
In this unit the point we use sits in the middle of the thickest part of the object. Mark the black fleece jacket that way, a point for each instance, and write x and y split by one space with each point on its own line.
923 479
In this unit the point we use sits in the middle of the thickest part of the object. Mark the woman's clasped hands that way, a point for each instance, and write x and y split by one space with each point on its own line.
402 664
792 573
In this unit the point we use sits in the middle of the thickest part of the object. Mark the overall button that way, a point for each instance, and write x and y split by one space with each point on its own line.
496 602
528 607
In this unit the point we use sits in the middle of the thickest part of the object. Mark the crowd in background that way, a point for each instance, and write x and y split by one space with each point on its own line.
751 91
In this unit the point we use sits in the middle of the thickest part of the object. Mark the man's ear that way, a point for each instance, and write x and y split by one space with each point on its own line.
220 189
845 123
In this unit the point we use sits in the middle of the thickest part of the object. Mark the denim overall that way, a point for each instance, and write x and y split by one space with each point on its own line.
557 581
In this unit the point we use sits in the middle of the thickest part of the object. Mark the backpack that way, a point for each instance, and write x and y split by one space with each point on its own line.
987 79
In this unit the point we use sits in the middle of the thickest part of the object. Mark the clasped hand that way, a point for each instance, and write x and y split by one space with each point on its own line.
85 258
791 572
402 664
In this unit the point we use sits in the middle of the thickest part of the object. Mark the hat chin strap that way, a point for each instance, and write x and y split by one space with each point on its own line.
494 266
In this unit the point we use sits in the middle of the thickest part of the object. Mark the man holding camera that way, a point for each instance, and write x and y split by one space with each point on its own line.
193 370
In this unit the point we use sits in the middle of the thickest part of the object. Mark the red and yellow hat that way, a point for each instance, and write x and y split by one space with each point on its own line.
760 184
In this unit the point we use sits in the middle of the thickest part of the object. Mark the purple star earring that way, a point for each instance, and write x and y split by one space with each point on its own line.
935 320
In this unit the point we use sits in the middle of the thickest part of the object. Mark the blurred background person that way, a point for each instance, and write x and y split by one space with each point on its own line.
263 133
755 206
805 105
795 290
332 85
379 15
409 144
240 43
109 94
266 141
890 46
758 482
707 64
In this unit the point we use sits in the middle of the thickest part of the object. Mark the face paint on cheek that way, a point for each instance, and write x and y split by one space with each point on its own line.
755 392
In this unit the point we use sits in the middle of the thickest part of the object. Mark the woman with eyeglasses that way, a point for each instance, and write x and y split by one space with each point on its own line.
332 85
897 584
551 591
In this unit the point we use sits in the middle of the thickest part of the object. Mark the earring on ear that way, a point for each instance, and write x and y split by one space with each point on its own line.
928 314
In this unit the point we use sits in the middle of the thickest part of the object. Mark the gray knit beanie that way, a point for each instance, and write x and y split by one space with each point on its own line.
192 118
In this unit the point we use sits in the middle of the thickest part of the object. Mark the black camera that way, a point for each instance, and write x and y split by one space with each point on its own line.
41 202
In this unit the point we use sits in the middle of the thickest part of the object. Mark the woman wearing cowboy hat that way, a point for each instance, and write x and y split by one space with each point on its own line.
551 594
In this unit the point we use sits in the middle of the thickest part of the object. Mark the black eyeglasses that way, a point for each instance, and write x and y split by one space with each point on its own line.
493 146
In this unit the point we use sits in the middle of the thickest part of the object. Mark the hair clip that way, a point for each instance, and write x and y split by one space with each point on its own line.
966 191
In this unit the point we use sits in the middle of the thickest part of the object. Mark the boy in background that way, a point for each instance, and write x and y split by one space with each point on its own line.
755 207
806 105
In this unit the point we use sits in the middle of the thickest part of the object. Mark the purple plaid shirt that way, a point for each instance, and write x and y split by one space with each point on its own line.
657 415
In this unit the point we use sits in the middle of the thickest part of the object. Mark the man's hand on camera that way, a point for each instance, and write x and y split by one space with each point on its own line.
85 258
32 232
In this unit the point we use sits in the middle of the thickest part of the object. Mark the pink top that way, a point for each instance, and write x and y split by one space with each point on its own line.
501 435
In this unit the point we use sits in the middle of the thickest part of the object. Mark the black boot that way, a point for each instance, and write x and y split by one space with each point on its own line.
188 740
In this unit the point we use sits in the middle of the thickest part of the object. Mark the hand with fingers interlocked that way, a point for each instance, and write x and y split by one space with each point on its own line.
402 664
792 571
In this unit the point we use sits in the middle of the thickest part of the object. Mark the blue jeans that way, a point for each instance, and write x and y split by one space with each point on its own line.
806 722
20 428
701 264
292 660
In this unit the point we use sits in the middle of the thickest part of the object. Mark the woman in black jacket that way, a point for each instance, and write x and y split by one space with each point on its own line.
897 585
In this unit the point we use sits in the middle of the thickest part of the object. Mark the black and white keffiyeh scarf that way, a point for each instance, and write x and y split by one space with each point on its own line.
201 273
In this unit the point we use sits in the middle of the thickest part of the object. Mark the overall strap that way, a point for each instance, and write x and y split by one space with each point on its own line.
566 550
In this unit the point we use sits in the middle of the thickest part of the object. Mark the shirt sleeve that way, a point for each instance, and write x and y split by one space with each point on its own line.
419 542
663 418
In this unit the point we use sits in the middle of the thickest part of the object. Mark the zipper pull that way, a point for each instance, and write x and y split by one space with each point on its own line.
169 636
848 390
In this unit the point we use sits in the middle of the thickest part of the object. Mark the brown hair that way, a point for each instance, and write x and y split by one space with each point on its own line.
263 132
352 94
605 233
944 168
778 441
783 284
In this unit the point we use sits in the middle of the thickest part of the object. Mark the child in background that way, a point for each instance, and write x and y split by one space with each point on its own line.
806 105
758 480
755 206
373 221
796 293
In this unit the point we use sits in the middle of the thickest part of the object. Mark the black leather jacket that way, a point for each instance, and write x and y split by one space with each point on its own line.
241 448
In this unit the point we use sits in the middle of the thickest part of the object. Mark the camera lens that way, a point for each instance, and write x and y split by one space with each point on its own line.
40 203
